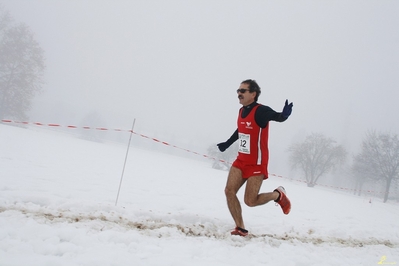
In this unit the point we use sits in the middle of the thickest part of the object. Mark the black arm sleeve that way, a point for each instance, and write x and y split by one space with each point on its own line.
233 138
264 114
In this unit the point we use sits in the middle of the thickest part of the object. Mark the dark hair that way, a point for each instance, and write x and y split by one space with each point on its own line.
253 86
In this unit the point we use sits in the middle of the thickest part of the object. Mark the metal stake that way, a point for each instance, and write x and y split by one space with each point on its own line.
124 164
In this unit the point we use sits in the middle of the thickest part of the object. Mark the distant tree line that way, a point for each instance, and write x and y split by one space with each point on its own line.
378 159
21 67
318 155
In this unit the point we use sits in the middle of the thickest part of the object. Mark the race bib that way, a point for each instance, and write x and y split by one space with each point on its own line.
244 142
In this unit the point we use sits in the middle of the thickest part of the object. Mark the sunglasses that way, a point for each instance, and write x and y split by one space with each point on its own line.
242 90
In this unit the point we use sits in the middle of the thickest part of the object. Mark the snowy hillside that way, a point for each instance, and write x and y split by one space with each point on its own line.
57 207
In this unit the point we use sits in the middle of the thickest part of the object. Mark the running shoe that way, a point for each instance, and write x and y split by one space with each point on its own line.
283 201
238 231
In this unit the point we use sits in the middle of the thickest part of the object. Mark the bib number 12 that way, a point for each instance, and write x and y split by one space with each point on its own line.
244 143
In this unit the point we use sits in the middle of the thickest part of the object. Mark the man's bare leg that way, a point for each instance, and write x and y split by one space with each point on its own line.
234 183
252 197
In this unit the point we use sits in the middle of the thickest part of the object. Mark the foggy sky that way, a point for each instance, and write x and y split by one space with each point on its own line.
175 65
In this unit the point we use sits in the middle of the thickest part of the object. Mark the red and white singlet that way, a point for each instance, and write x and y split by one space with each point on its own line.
253 142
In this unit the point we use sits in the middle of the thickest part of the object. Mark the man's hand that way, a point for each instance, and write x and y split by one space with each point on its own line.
223 146
287 109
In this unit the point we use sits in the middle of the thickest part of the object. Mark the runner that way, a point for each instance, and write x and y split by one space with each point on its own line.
253 154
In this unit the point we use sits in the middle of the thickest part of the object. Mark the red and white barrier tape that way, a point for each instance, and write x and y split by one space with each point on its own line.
107 129
58 125
173 146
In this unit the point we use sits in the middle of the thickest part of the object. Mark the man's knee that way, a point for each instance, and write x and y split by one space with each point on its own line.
229 192
250 202
234 182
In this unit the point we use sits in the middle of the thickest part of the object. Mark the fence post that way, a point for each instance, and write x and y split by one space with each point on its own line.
124 164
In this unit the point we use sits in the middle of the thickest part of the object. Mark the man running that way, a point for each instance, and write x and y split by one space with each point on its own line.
253 154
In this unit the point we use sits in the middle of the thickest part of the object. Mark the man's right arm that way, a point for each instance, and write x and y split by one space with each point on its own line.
224 145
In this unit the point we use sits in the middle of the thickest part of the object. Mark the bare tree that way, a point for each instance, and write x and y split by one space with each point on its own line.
362 172
222 159
379 159
316 156
21 67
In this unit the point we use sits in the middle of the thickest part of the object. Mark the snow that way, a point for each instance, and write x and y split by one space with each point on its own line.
57 207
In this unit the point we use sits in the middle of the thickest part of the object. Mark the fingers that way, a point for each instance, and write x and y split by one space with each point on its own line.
290 105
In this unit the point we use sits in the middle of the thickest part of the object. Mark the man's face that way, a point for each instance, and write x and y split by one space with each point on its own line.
244 95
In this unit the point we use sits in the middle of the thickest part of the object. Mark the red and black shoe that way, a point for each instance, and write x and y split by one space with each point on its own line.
238 231
283 201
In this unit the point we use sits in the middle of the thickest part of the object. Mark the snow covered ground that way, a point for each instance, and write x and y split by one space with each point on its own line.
57 207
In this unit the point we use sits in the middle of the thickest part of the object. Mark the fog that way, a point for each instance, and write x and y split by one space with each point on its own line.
174 66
